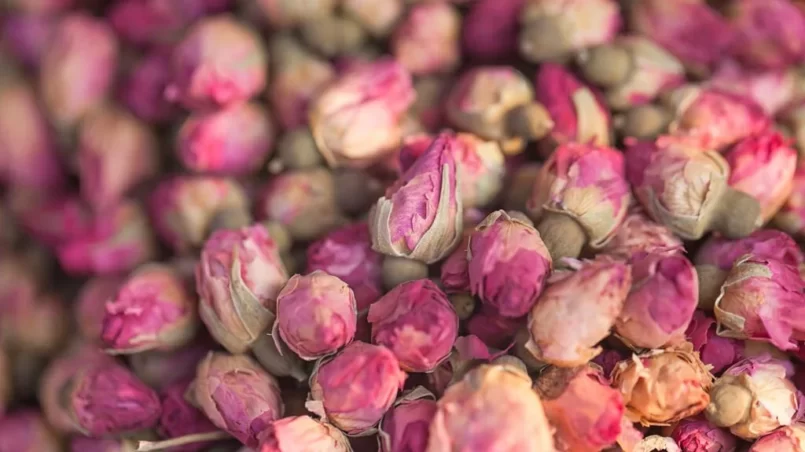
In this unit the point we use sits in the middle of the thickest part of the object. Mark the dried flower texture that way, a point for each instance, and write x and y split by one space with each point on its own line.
427 39
770 33
406 425
142 89
766 243
639 234
771 89
791 217
454 276
303 434
790 438
715 351
696 434
490 28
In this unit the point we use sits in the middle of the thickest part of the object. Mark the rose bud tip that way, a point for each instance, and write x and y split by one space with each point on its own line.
530 121
563 236
606 65
739 215
398 270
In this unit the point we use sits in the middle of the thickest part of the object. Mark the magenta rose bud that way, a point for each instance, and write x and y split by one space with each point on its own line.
238 279
234 141
790 438
180 418
416 321
578 112
770 89
716 351
357 119
355 388
661 303
142 88
27 431
316 315
420 216
78 68
639 234
90 305
405 426
500 251
347 253
238 396
219 62
116 153
26 36
455 277
765 243
489 30
696 434
770 33
427 39
303 433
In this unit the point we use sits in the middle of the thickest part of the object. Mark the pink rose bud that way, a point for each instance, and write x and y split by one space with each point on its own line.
29 157
580 196
90 305
552 30
489 30
500 251
219 62
405 426
712 119
184 209
290 13
715 351
303 434
116 153
578 111
416 321
455 277
354 389
560 334
483 410
347 253
238 279
639 234
160 369
51 218
237 395
754 397
142 88
689 29
27 36
234 141
661 387
699 435
789 438
316 315
27 431
685 188
770 89
118 240
357 119
180 418
154 22
762 299
78 68
427 39
85 444
791 217
770 33
420 217
494 329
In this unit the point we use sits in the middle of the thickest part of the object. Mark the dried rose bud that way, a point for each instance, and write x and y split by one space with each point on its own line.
357 119
118 240
576 311
771 89
27 36
420 216
580 196
52 218
661 387
142 89
656 443
347 254
275 357
405 426
754 397
180 418
27 431
553 30
789 438
238 279
715 351
184 209
78 68
237 395
355 388
699 435
489 31
455 277
416 321
494 329
769 33
791 217
219 62
427 39
155 22
160 369
290 13
303 434
685 188
762 299
483 412
639 234
90 305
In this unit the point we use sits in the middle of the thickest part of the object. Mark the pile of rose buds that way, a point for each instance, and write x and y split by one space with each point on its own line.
402 225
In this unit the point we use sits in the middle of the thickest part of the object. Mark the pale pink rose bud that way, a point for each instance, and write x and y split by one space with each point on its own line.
155 22
771 89
357 119
715 351
160 369
219 62
405 427
581 196
304 201
483 410
639 234
316 315
790 438
184 209
27 147
685 188
180 418
78 68
421 215
116 153
765 243
416 321
578 111
90 305
26 36
86 444
494 329
791 217
661 303
303 434
355 388
118 240
142 88
763 166
427 39
455 277
762 299
552 30
499 252
696 434
689 29
290 13
662 387
770 33
27 431
347 254
238 279
754 397
490 28
377 17
576 311
41 6
237 395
